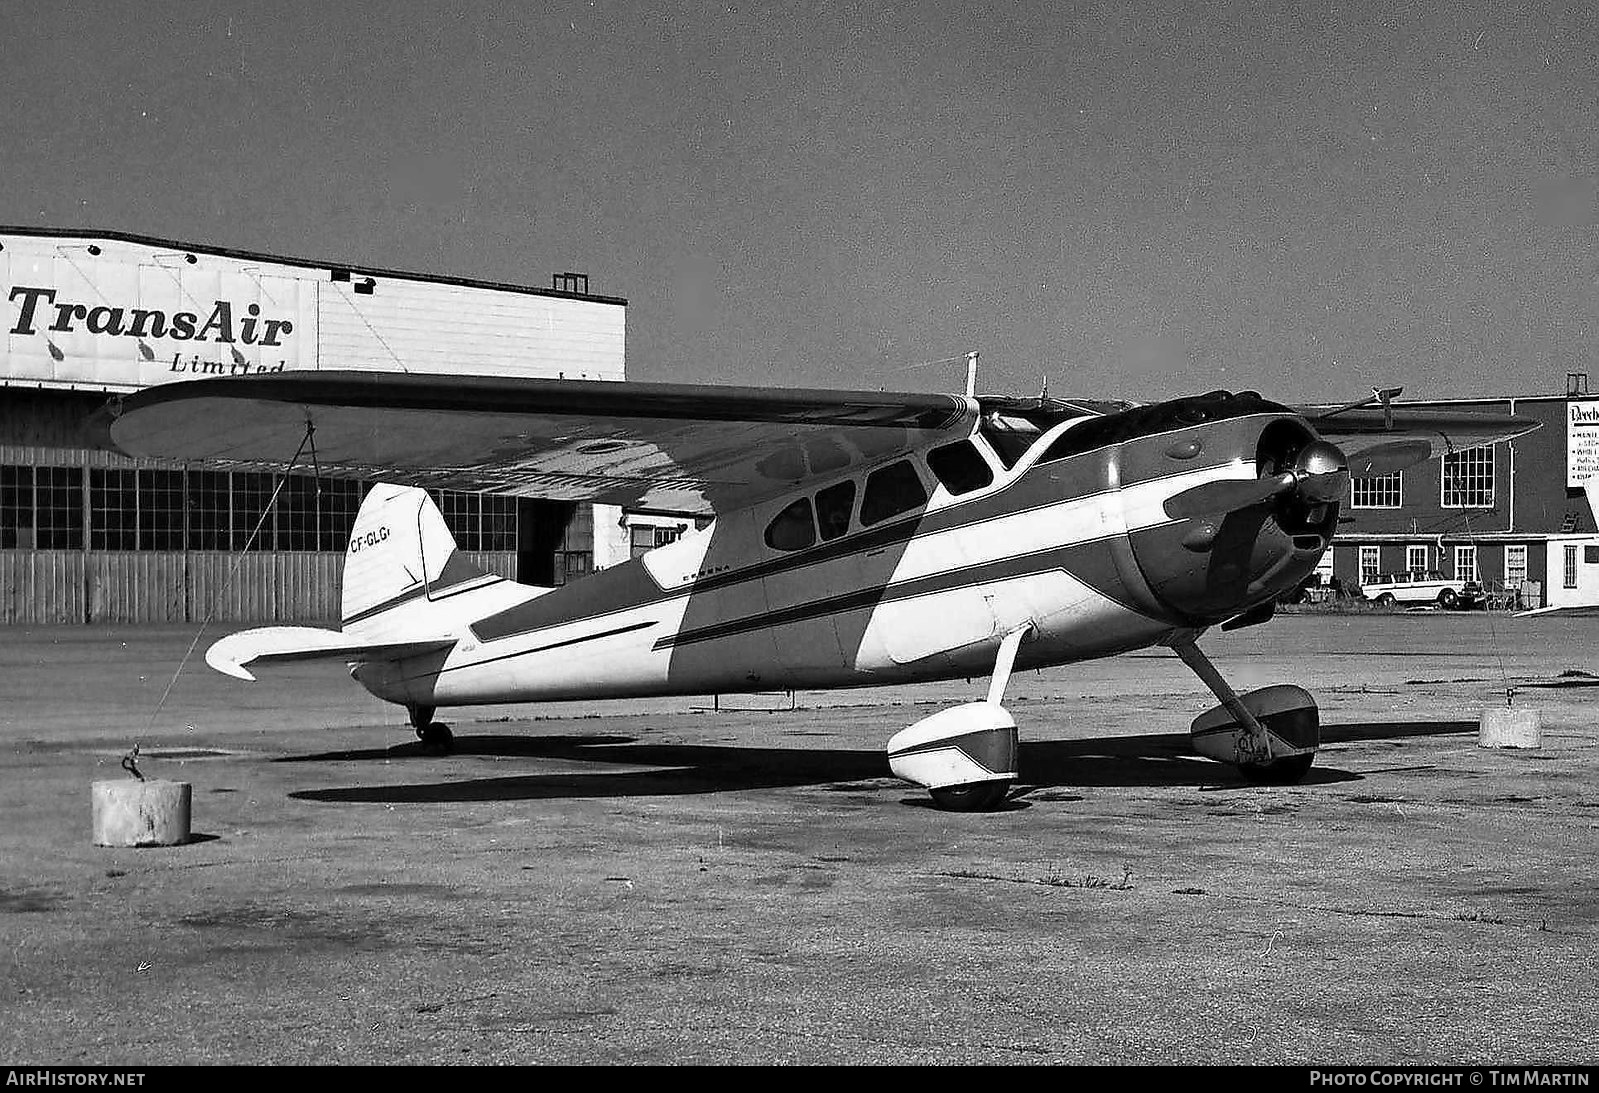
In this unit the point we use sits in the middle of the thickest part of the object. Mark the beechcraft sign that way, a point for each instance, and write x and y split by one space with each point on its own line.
1582 444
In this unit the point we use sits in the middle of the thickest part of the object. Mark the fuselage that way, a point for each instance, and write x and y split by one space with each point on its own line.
912 569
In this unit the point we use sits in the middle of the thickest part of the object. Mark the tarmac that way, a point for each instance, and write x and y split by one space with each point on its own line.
664 882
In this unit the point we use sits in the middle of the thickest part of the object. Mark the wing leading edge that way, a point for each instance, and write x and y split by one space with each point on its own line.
675 447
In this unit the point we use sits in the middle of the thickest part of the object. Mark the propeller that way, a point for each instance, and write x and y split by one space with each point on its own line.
1319 475
1389 458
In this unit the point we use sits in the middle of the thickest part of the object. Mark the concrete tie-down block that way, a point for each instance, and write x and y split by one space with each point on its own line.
128 812
1510 727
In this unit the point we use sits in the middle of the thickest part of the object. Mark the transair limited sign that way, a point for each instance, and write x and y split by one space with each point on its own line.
138 322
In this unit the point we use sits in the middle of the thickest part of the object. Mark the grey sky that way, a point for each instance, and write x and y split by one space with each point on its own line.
1139 199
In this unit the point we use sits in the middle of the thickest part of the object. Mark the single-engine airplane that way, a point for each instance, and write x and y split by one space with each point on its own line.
858 539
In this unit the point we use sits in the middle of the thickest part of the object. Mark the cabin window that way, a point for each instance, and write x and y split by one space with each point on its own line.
895 489
833 508
1086 435
960 467
792 529
1010 437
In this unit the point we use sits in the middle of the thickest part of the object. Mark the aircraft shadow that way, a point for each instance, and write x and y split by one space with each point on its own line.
1152 759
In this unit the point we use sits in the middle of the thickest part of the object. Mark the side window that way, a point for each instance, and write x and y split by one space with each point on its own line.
895 489
792 529
960 467
833 507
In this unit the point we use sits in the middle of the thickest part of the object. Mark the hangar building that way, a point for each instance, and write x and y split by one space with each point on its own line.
1516 516
92 536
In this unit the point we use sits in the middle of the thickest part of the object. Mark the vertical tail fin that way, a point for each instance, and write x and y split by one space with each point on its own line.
401 553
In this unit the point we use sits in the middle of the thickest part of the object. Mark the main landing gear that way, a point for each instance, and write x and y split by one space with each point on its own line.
1270 735
436 737
966 755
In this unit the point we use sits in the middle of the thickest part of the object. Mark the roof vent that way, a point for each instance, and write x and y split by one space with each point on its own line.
1576 383
575 283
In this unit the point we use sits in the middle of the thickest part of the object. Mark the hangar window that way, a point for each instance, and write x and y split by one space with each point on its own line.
113 509
1468 479
296 518
160 510
960 467
833 508
499 522
1377 491
252 492
792 529
58 508
478 521
209 511
16 507
463 515
890 491
337 504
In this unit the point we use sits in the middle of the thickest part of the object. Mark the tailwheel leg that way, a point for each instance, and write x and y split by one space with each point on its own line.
1270 735
964 756
436 737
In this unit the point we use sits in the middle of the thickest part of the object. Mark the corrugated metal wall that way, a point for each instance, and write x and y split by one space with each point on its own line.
42 587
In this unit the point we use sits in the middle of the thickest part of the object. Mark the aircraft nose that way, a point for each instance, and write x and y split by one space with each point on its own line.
1230 543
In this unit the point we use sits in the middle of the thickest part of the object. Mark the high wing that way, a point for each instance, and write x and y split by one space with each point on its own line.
670 447
1359 431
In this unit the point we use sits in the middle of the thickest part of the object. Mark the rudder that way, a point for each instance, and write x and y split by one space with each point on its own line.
400 551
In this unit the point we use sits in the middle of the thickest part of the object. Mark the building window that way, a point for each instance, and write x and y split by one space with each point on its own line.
1465 563
16 508
1370 564
337 504
160 510
113 509
1377 491
499 522
1515 566
209 511
252 493
1416 559
58 508
1468 479
1571 566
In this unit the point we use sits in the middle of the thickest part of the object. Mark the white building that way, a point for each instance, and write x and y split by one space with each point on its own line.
93 536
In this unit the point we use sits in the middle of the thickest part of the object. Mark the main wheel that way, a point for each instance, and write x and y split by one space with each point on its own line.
437 739
1447 599
1278 772
975 797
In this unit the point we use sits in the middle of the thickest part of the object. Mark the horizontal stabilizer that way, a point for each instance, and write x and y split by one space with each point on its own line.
288 643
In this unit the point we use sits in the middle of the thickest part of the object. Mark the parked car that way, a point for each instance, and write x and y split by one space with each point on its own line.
1423 587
